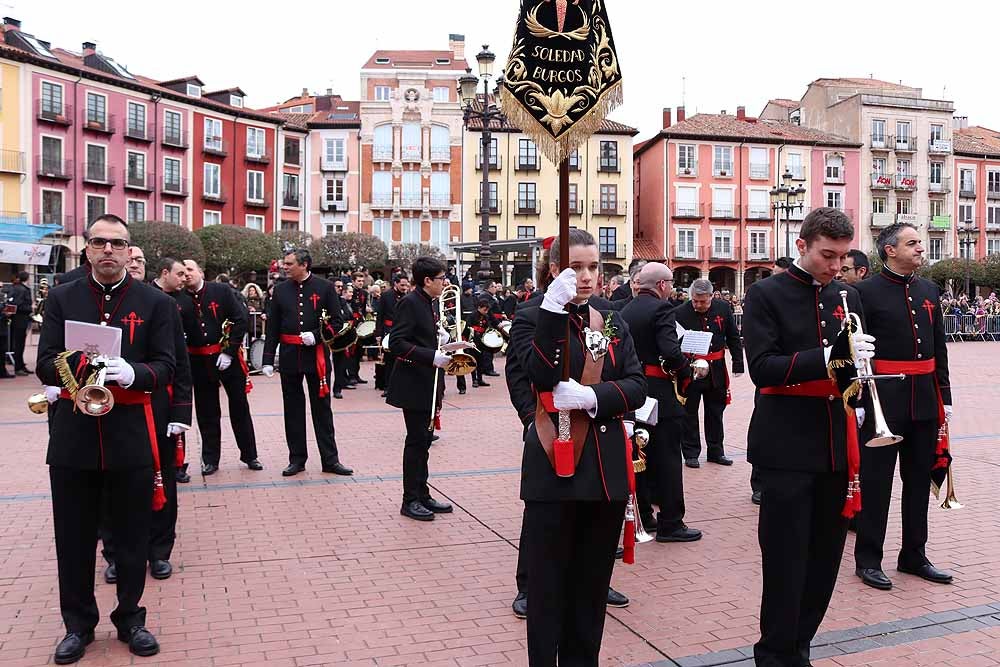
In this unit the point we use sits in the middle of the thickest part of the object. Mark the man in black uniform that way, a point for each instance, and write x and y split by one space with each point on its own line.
496 316
294 318
113 454
903 311
799 437
20 295
415 344
654 330
385 321
359 308
216 358
855 269
703 313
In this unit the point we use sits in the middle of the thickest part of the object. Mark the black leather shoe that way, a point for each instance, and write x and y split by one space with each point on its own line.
619 553
416 510
692 463
293 469
338 469
350 387
721 460
475 383
111 574
520 605
461 392
208 469
72 647
648 523
616 599
681 534
360 381
140 641
255 465
755 498
492 374
338 395
23 372
435 437
483 383
160 569
436 506
928 572
874 577
182 477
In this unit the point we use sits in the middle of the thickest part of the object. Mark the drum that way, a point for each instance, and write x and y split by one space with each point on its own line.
256 355
492 340
366 329
504 329
385 342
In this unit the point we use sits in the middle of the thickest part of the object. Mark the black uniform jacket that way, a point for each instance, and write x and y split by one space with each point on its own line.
623 291
294 309
905 317
120 439
654 333
413 342
787 321
386 312
358 304
204 311
536 336
720 321
20 296
173 405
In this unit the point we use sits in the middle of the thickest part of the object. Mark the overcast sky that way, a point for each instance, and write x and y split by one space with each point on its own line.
714 55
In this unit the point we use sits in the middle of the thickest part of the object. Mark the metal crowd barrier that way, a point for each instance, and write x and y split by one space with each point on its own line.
957 328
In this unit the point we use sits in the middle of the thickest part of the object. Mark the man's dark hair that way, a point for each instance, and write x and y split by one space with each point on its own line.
890 236
577 237
427 267
22 276
784 263
302 257
825 221
860 261
396 277
108 217
165 264
482 303
222 278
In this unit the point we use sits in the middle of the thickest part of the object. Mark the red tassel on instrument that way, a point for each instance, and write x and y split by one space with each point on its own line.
246 370
628 540
159 495
852 505
565 457
179 448
437 421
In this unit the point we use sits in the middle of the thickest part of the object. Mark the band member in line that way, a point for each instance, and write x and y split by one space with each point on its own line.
385 321
654 331
477 324
358 301
417 343
216 358
340 362
902 310
703 313
294 319
800 435
855 269
572 523
115 454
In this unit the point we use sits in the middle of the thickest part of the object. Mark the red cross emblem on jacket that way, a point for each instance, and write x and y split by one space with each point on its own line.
929 307
719 322
132 321
315 299
214 307
839 313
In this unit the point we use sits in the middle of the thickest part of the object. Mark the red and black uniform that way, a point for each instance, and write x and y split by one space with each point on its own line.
358 306
714 388
903 314
798 444
89 457
203 314
383 327
294 309
475 327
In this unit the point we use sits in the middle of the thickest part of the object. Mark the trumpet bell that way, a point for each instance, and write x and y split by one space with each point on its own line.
883 436
461 364
38 404
641 536
95 400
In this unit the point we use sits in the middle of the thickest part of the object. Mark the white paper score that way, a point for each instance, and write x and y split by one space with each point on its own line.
93 339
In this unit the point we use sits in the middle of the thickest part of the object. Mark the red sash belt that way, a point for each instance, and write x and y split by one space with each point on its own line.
712 356
654 371
204 350
827 389
387 323
921 367
296 339
124 396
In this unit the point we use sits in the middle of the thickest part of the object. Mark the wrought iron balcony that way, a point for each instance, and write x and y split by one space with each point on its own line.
880 142
336 205
440 201
939 146
98 173
835 177
905 182
609 165
495 163
528 207
686 252
382 152
411 153
613 208
102 123
758 212
967 189
215 146
690 168
723 212
137 180
46 167
722 169
528 164
440 154
172 139
411 200
333 164
217 197
290 200
575 207
691 211
261 200
940 186
613 251
992 192
905 144
11 162
140 132
55 218
382 200
723 254
57 114
760 170
260 157
491 206
175 187
881 181
759 255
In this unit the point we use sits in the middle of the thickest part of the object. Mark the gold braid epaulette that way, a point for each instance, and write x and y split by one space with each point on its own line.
69 382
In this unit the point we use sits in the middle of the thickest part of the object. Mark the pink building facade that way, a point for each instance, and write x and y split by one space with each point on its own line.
977 196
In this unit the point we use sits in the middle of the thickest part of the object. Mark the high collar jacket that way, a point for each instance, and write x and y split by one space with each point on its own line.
386 312
294 309
718 320
173 403
413 343
905 317
654 332
146 318
204 312
787 321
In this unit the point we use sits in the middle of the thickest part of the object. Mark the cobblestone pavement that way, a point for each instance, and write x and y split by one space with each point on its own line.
322 570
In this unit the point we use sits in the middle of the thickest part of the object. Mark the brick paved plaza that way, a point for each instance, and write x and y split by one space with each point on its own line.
320 570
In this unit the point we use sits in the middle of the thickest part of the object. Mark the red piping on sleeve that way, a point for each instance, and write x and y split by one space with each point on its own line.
790 367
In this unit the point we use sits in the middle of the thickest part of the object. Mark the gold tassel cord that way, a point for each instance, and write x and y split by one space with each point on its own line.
69 382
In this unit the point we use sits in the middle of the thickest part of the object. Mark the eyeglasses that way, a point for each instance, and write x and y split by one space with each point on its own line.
439 277
98 243
137 260
845 269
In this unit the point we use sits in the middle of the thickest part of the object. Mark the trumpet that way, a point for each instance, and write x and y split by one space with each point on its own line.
94 399
461 363
883 436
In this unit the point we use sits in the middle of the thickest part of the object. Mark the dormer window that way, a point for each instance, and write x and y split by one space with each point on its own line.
236 101
193 90
381 61
443 61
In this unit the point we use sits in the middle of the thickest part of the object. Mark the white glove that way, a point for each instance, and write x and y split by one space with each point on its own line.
308 338
456 346
629 427
175 428
560 292
864 347
947 413
268 371
119 371
860 414
224 361
571 395
441 360
52 394
443 337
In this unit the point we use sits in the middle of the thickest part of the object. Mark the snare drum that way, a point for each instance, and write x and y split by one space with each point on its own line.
366 329
492 340
257 354
385 342
504 328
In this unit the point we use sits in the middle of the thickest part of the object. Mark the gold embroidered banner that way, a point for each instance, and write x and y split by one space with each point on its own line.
562 77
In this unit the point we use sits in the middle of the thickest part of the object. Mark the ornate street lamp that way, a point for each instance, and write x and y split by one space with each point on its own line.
786 197
968 245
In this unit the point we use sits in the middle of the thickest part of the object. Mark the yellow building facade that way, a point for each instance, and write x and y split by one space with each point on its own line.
13 165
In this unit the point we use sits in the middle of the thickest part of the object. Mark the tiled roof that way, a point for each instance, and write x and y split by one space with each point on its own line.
646 249
863 83
236 90
977 140
295 121
501 124
729 127
414 60
785 102
343 114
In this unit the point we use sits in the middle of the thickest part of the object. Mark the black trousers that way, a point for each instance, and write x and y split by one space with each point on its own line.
3 350
77 499
487 364
801 533
294 402
664 475
354 364
416 452
20 334
715 406
339 371
206 379
569 551
878 468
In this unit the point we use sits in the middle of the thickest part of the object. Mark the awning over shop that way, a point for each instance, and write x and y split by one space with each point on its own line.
16 228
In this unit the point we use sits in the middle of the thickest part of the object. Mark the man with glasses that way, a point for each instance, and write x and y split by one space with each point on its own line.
856 268
113 456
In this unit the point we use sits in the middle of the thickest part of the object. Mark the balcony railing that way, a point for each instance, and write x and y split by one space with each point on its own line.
382 200
50 113
615 208
758 212
609 166
13 218
682 210
941 185
52 168
613 251
723 254
104 124
97 173
382 152
440 154
760 170
64 221
723 169
686 252
137 180
262 200
797 171
411 153
967 189
176 187
757 255
723 212
142 133
880 142
905 144
905 182
11 162
440 201
528 207
881 181
333 164
172 139
690 168
290 200
575 207
260 157
528 164
495 162
992 192
492 206
837 177
337 205
217 197
215 146
939 146
411 200
880 220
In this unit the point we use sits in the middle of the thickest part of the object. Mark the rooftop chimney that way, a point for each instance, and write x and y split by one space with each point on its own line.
11 25
723 112
666 117
456 44
329 91
680 114
960 122
741 113
89 49
305 92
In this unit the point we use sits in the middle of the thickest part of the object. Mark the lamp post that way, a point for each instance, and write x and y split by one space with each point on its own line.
786 197
484 112
968 244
